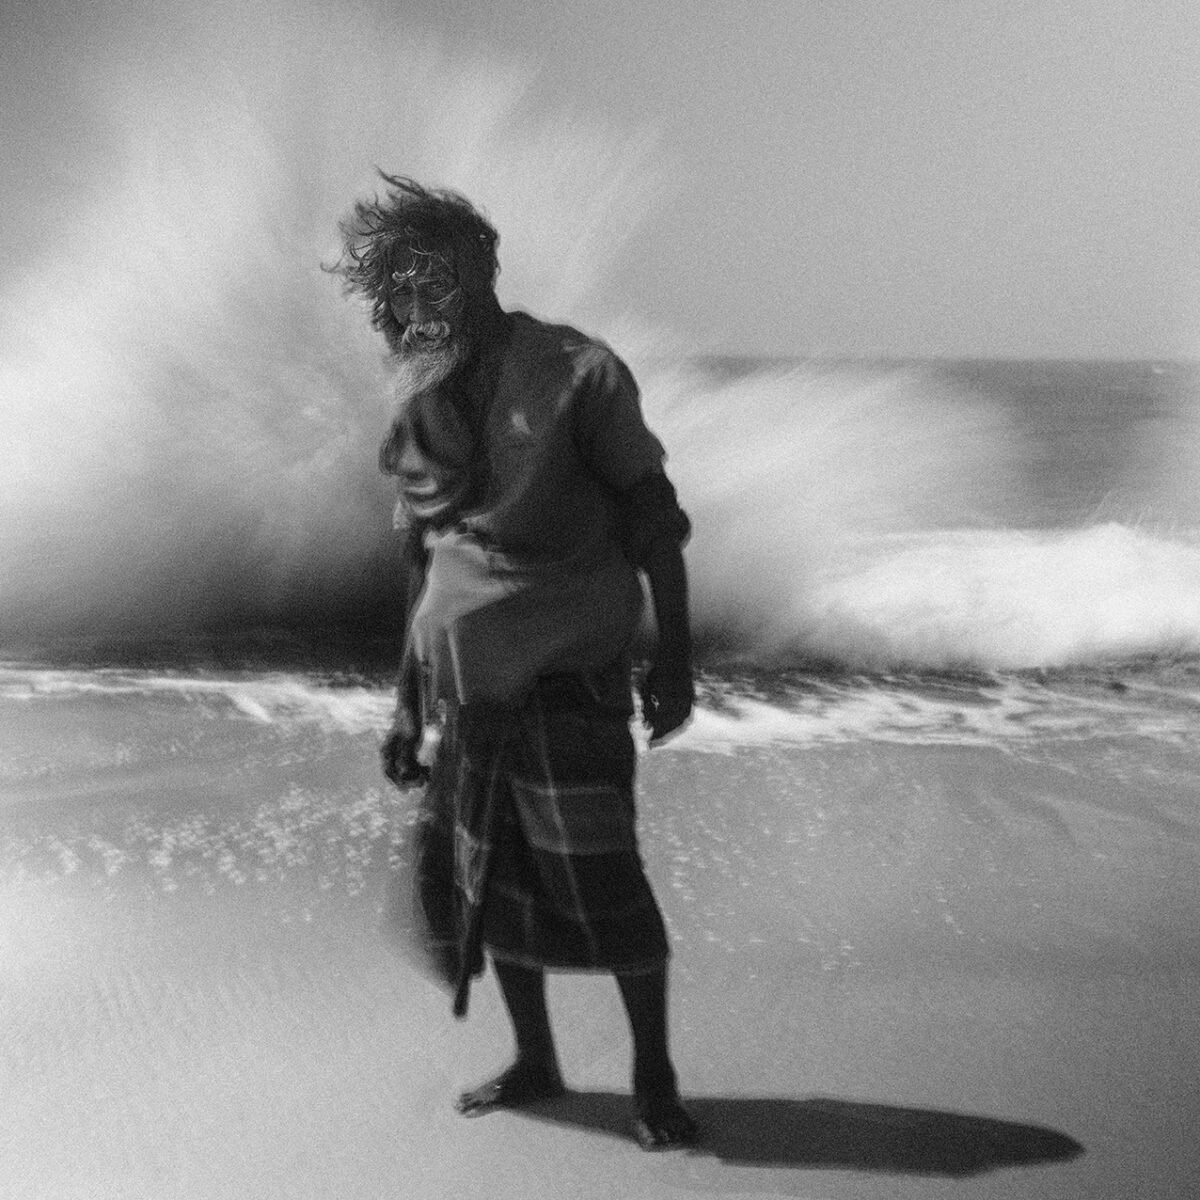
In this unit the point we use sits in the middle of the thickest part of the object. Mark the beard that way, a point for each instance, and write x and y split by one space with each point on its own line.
434 365
429 359
427 356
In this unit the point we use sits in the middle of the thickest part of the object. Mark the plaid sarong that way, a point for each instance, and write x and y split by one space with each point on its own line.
526 843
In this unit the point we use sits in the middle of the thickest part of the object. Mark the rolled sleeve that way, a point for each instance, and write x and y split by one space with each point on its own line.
648 513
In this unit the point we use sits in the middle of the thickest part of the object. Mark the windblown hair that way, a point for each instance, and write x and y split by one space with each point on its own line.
420 234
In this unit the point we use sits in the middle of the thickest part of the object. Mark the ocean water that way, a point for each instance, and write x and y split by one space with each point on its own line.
941 515
879 516
190 410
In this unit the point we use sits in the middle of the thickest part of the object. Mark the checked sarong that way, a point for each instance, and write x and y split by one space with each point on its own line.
525 842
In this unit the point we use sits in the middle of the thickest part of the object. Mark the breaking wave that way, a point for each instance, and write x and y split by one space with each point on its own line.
190 407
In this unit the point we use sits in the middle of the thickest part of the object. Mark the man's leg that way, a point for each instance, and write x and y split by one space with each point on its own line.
662 1121
535 1074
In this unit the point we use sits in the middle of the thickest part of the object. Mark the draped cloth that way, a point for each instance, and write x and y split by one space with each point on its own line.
525 840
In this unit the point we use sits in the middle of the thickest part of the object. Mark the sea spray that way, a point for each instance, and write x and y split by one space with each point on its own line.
793 476
1165 462
190 407
1003 599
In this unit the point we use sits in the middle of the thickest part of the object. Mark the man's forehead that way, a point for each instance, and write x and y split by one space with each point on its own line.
412 261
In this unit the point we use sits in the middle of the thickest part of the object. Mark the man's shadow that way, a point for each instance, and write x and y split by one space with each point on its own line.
819 1133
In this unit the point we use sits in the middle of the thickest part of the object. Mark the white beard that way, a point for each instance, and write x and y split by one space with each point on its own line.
424 364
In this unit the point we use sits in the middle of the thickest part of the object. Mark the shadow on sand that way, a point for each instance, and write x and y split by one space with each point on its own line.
764 1131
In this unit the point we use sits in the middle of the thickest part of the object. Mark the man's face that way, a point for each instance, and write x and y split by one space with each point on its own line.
434 339
424 299
422 324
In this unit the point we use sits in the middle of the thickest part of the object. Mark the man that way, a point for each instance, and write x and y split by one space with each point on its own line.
531 494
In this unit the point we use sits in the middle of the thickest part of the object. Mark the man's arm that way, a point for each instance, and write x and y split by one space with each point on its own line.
617 446
667 690
403 740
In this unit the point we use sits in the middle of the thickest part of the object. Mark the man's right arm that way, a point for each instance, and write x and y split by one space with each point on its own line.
403 740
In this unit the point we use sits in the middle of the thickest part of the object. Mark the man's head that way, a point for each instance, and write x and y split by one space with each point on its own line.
426 260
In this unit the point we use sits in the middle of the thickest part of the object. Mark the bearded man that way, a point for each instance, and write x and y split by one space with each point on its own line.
531 494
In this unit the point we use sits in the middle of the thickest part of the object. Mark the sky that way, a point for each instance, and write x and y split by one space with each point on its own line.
843 177
956 177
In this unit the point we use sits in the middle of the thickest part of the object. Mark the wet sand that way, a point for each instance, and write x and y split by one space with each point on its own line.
901 970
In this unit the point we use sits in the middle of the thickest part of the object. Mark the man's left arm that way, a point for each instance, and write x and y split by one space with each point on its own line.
626 456
667 690
653 531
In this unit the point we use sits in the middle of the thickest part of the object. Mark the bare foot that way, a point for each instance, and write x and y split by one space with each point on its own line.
522 1083
661 1121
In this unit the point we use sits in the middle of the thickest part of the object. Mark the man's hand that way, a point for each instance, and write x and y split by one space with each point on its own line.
668 694
398 753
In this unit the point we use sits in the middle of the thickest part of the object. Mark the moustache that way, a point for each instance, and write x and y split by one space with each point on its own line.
428 360
429 335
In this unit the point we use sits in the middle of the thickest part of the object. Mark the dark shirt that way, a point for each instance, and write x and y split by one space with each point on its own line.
537 575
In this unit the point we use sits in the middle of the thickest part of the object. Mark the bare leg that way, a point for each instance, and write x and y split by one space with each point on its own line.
535 1074
661 1121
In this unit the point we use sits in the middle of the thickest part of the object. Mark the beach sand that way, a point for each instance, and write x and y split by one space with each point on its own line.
903 968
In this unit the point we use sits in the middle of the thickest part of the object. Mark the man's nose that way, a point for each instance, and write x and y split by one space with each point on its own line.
420 311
